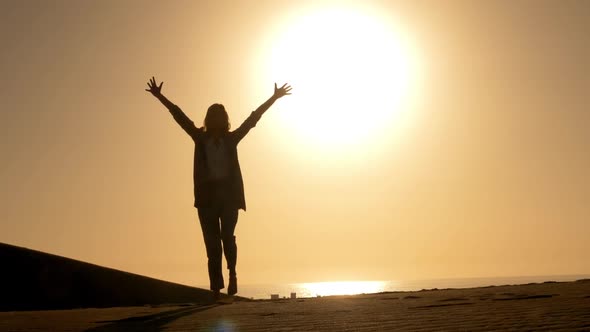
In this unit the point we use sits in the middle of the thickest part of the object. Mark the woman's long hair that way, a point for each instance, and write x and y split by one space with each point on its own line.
217 117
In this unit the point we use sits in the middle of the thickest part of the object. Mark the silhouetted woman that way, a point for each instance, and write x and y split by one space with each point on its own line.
218 185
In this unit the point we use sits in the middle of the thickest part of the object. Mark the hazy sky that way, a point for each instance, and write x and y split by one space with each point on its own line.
488 176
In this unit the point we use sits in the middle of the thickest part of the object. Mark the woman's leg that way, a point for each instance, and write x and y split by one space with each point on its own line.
209 219
229 219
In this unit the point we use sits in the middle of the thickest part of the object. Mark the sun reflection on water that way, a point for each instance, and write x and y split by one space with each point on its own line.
341 288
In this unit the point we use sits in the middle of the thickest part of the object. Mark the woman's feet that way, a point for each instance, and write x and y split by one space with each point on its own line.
219 298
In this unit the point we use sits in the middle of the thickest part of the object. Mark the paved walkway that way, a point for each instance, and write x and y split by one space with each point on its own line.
538 307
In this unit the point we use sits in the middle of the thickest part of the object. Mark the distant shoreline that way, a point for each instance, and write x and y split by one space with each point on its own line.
306 290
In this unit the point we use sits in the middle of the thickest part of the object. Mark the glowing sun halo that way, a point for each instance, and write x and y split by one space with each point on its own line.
350 71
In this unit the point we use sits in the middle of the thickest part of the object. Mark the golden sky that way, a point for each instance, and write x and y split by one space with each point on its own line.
481 171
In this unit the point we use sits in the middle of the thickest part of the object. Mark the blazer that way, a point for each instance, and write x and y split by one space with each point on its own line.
203 189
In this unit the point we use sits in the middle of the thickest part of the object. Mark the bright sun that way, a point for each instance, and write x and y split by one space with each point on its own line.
351 73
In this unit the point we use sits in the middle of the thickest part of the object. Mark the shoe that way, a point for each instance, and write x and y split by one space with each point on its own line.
216 295
232 288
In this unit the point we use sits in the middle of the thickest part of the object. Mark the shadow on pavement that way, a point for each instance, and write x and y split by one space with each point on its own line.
153 322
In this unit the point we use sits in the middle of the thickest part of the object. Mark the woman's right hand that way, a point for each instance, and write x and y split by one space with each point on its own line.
154 89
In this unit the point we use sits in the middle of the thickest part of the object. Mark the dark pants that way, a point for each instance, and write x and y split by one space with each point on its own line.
218 223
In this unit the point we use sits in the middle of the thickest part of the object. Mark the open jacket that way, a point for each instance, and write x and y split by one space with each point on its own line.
202 188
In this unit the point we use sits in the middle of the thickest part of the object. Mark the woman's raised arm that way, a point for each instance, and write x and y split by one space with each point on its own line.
279 92
251 121
182 119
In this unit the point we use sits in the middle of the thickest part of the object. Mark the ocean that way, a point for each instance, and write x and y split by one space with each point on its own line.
314 289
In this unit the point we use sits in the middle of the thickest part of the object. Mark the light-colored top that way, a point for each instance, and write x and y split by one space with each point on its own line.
217 162
203 192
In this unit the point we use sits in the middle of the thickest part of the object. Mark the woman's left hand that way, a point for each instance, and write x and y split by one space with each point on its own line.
282 91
